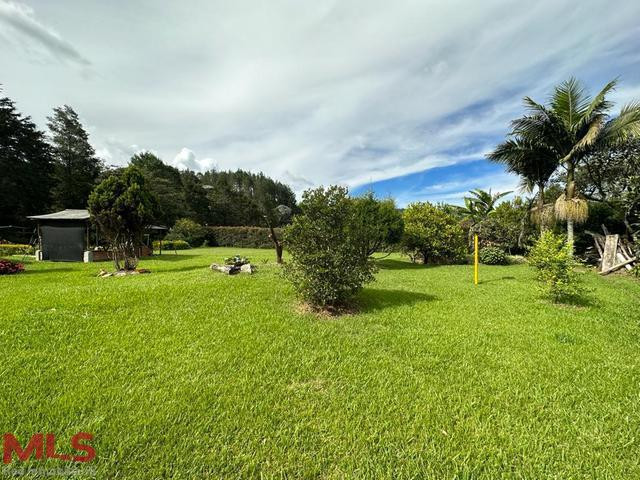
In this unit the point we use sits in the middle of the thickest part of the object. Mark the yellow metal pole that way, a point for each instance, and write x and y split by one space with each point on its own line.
475 259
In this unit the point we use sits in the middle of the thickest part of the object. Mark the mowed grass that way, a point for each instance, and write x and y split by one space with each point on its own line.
188 373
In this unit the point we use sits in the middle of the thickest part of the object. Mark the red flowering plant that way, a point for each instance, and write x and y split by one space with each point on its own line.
7 267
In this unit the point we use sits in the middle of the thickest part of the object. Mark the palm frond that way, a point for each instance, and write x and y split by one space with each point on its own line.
624 126
600 105
569 102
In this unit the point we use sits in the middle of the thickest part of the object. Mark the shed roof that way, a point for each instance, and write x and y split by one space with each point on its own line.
68 214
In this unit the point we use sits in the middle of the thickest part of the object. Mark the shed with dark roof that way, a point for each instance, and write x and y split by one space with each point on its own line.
63 236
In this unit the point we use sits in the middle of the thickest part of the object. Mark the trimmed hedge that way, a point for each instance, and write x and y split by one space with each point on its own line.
15 249
241 237
171 245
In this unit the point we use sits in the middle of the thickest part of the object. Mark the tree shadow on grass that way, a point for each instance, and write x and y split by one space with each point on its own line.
390 264
185 269
170 257
507 277
48 271
374 299
579 301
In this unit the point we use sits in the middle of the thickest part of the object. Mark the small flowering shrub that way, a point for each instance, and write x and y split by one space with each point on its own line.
8 267
552 256
492 256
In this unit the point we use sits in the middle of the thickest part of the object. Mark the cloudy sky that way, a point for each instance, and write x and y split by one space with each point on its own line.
401 97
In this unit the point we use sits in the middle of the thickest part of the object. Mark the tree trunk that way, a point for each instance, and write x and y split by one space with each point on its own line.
568 195
543 227
570 233
276 243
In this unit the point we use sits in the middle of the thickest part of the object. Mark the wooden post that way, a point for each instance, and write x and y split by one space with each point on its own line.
475 259
610 252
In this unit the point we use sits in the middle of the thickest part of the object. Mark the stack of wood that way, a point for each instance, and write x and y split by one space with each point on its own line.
614 252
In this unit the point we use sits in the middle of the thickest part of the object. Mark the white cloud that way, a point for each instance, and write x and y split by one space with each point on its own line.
186 160
20 24
320 92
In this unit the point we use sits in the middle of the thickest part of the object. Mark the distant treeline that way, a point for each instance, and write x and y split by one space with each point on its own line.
42 173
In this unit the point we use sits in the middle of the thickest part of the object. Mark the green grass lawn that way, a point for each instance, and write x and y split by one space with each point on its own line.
187 373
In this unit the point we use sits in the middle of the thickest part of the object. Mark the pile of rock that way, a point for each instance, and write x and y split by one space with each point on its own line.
234 265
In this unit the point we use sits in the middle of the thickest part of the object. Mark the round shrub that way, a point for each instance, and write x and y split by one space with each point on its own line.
492 256
328 263
7 267
188 230
432 234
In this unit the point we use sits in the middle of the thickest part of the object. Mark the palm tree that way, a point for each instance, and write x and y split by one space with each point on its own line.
479 206
534 163
572 126
481 203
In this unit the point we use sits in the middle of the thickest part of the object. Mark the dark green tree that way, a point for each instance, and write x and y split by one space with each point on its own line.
26 166
239 198
195 197
76 168
165 182
381 221
122 206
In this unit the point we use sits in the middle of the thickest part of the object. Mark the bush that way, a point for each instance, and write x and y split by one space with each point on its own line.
7 267
240 237
171 245
381 220
328 265
15 249
492 256
552 256
186 229
432 234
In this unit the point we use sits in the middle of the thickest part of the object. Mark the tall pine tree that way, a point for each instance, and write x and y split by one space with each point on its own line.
25 166
76 167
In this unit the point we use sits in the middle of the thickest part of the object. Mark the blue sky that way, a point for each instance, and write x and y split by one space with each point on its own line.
404 98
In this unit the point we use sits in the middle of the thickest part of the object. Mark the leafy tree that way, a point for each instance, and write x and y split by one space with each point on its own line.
327 266
573 125
507 227
76 168
186 229
611 175
552 257
122 206
26 166
380 220
535 163
165 183
432 234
